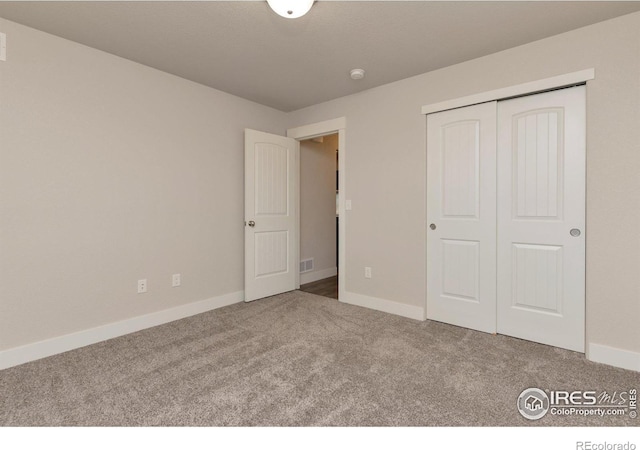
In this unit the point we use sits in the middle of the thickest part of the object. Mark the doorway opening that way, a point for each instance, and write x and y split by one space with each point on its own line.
319 215
310 131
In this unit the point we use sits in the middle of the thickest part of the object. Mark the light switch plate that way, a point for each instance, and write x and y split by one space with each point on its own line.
3 47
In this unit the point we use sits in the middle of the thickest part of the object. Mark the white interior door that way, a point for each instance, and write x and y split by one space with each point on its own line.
271 168
461 217
541 218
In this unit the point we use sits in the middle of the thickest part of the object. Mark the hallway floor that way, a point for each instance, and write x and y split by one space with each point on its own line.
326 288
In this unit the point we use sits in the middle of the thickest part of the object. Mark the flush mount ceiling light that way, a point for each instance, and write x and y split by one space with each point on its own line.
291 9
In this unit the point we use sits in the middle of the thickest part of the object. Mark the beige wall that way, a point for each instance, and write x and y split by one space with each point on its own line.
318 202
385 167
109 172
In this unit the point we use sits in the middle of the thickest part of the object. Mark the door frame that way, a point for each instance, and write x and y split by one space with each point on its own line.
518 90
504 93
311 131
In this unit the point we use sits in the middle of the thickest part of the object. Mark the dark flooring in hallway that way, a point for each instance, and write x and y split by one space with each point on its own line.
327 287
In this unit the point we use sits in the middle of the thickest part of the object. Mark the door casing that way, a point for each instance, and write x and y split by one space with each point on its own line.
314 130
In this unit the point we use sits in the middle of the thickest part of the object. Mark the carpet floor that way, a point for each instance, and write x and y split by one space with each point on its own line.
297 359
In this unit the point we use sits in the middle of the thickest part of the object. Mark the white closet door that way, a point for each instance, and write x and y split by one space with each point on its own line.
461 217
541 218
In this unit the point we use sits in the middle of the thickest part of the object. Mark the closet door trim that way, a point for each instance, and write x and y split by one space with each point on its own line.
518 90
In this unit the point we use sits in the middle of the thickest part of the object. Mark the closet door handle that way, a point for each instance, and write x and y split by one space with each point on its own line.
432 226
252 223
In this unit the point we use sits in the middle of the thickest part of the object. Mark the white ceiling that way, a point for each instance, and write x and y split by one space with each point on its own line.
243 48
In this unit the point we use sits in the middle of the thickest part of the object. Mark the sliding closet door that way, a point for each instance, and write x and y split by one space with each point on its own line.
541 218
461 217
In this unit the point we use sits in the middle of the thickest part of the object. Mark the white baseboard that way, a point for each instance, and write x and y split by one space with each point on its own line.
15 356
42 349
624 359
380 304
317 275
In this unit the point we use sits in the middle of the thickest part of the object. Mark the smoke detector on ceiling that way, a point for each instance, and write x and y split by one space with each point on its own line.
357 74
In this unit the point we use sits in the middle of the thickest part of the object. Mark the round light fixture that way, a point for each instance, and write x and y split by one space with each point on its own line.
291 9
357 74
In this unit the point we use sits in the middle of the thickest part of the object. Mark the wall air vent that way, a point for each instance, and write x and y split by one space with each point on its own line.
306 265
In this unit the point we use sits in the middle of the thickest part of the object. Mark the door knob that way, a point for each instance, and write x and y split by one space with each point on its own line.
575 232
252 223
432 226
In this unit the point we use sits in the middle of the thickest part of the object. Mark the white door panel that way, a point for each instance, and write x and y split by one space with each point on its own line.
541 198
270 214
461 205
